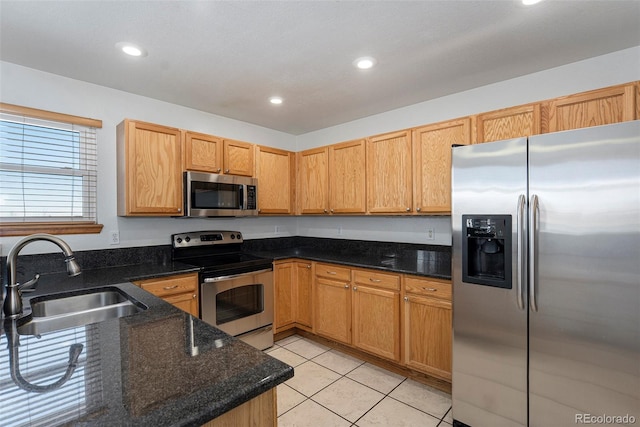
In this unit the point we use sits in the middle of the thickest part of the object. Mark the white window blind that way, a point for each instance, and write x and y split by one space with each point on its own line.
47 170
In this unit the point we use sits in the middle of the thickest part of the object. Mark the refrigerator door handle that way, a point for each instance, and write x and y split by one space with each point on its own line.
520 272
533 232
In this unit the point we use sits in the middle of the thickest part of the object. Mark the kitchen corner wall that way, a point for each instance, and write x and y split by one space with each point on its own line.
36 89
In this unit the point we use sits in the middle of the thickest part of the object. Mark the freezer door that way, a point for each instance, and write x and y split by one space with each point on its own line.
585 287
489 378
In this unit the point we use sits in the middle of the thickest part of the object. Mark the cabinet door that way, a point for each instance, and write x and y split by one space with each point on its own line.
432 157
304 295
149 170
376 321
333 309
313 181
508 123
238 158
389 182
597 107
202 152
284 293
427 335
186 302
275 170
347 184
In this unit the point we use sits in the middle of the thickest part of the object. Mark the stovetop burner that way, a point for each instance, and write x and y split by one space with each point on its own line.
215 252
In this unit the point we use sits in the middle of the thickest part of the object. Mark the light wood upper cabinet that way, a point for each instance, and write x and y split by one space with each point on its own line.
347 184
238 158
432 163
275 170
597 107
376 313
313 181
426 324
149 163
202 153
180 290
389 173
508 123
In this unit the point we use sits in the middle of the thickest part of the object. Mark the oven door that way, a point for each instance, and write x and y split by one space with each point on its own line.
239 304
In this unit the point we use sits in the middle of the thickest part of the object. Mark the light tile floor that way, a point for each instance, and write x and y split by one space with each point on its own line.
331 388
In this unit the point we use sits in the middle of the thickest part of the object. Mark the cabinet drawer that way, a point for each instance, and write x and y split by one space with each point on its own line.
428 287
373 278
333 272
170 285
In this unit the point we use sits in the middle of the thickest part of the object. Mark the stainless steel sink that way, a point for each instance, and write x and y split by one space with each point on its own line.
55 312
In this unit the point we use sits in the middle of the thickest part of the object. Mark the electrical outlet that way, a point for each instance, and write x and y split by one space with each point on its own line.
114 237
430 234
339 230
276 229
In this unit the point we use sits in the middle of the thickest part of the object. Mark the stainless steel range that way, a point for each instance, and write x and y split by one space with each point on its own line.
236 289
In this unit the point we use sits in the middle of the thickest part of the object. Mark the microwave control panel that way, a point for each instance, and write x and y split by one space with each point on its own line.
252 198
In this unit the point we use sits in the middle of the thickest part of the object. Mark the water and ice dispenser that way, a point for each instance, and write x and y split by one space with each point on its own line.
486 250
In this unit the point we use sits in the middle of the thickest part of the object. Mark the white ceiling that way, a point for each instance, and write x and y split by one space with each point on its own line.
229 57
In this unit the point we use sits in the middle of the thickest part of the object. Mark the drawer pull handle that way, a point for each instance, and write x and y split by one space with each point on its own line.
430 289
332 272
166 288
375 280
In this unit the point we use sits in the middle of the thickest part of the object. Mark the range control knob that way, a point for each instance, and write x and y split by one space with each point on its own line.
239 236
179 240
233 236
187 239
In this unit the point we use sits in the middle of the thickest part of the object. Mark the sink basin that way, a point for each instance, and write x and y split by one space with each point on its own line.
55 312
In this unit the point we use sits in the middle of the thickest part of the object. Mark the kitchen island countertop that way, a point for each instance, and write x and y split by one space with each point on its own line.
158 367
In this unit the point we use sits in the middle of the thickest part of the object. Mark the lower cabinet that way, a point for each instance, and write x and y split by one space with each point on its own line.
293 295
179 290
426 321
333 309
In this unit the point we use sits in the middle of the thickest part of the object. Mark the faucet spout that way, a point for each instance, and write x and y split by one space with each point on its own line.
13 300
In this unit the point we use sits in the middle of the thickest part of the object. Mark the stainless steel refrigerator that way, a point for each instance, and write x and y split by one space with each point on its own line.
546 279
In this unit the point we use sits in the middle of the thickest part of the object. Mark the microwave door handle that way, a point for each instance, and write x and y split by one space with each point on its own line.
243 194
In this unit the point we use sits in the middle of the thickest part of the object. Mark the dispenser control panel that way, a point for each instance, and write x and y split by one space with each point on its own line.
486 250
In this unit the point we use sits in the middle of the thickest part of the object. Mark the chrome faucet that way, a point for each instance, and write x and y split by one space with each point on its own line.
13 299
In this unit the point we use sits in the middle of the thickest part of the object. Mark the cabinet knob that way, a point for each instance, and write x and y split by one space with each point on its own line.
226 171
195 296
408 209
418 209
406 299
179 210
219 169
325 211
355 288
331 210
308 265
346 286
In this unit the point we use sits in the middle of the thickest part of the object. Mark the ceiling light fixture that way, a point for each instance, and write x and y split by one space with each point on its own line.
365 62
131 49
276 100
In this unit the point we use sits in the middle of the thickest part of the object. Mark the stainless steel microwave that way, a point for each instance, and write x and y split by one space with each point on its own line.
212 195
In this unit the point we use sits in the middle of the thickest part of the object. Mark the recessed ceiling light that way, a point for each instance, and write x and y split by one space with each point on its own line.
275 100
530 2
365 62
131 49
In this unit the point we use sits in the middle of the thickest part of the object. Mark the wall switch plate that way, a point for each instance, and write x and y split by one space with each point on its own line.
430 234
114 237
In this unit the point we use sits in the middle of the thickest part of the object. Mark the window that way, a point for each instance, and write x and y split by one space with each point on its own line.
47 172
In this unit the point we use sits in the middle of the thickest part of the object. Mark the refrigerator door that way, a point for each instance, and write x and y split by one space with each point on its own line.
584 284
489 378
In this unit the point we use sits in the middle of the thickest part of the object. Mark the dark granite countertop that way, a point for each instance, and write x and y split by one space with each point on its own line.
158 367
434 262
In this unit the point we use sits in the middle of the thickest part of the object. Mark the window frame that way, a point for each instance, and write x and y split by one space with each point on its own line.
23 228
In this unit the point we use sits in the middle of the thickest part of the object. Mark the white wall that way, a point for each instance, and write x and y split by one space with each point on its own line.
607 70
32 88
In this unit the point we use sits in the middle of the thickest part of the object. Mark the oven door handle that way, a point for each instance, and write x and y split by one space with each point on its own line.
235 276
